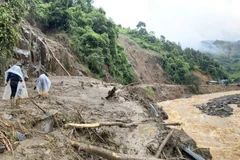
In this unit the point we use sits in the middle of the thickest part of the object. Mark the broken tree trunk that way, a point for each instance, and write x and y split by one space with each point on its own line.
59 62
53 55
99 124
111 93
107 153
164 143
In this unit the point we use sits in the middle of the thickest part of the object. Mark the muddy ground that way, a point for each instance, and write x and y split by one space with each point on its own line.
82 100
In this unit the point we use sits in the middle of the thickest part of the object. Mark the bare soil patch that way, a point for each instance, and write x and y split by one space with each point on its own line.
146 64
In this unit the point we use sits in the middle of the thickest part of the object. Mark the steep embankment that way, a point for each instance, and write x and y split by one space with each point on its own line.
146 64
46 53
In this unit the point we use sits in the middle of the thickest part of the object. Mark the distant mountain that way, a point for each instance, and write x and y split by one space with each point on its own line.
227 53
220 46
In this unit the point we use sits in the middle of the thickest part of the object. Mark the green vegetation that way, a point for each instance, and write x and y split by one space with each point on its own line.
10 18
177 63
93 36
149 91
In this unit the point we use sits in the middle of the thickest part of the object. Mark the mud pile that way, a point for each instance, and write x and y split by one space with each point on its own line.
220 106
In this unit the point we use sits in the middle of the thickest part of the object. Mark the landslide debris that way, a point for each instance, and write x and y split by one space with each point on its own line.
220 106
29 133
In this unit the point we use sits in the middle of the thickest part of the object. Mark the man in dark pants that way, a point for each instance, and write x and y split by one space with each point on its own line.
14 80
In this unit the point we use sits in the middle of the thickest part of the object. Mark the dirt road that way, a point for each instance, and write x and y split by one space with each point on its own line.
221 135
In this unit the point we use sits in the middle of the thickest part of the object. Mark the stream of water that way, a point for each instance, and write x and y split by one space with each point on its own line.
221 135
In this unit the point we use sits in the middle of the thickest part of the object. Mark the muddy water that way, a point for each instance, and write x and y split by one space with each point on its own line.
221 135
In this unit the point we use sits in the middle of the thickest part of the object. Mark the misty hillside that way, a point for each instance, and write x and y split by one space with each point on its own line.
179 64
226 53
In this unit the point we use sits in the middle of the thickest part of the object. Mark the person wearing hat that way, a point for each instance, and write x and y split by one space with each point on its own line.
14 83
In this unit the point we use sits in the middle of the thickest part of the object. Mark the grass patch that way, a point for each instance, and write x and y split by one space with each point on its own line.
149 91
235 77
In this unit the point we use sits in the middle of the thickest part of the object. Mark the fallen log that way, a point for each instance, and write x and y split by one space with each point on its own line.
100 124
56 59
171 124
107 153
164 143
59 62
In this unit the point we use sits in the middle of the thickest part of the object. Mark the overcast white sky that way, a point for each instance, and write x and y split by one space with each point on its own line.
184 21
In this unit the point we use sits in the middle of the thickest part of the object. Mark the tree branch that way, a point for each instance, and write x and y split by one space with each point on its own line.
99 124
164 143
107 153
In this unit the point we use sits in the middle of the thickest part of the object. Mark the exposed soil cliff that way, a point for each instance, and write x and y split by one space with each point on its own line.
146 64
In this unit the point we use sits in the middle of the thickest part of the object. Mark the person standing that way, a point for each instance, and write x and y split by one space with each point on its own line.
14 84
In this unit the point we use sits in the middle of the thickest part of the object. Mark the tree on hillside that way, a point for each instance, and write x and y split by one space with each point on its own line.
152 33
141 24
162 38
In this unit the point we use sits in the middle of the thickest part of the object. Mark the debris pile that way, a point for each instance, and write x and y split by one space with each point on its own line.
88 119
220 106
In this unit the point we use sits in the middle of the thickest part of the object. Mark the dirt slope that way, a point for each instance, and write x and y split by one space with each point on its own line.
146 64
203 77
70 102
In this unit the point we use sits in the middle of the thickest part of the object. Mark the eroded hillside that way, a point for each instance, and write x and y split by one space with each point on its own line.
146 64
